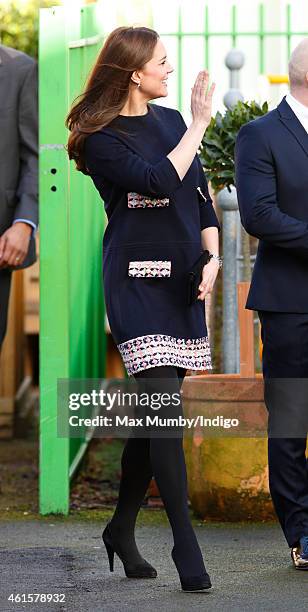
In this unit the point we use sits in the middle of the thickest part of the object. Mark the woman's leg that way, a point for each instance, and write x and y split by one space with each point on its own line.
181 375
169 469
136 475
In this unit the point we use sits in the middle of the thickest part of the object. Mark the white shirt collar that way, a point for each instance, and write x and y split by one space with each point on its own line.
300 110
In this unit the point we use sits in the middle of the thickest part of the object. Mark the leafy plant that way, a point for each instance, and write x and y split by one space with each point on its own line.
217 147
19 24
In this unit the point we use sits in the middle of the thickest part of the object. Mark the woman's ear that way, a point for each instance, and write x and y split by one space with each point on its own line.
135 77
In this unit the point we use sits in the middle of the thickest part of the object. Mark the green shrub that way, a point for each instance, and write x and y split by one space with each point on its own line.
217 147
19 22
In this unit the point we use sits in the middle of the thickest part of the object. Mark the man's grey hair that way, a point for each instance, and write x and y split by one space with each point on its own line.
298 65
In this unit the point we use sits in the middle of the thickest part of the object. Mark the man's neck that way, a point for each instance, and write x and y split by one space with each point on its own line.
300 95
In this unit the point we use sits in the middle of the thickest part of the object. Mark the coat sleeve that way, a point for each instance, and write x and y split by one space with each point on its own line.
108 157
255 179
208 217
27 189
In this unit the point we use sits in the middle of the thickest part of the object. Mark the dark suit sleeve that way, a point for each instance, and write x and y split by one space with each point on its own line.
255 179
108 157
27 189
208 216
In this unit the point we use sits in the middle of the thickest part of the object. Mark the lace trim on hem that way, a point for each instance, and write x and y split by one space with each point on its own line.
154 350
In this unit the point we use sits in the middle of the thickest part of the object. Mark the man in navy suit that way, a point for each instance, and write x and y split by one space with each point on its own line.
271 157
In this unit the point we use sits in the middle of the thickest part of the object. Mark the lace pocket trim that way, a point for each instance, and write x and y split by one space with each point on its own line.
137 200
149 268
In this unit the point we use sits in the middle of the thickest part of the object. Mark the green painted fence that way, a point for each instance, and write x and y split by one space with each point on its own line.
261 33
72 218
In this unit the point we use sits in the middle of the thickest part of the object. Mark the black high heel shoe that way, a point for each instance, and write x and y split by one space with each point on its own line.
132 570
193 583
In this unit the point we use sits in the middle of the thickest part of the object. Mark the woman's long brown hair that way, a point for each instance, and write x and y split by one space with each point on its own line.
125 50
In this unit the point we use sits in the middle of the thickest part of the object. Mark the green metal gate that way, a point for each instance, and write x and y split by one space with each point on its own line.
72 219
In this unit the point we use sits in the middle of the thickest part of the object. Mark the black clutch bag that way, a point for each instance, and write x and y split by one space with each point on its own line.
195 277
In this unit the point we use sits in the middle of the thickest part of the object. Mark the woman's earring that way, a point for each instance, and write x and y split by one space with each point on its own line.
139 84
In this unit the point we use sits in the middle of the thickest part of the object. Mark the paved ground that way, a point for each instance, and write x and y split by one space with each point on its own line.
249 566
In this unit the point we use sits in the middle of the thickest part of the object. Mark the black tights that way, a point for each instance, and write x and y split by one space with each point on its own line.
164 458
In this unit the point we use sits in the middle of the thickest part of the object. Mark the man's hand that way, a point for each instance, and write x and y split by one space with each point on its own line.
14 244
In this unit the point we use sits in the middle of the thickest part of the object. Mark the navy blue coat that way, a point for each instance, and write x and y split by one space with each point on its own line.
152 239
271 159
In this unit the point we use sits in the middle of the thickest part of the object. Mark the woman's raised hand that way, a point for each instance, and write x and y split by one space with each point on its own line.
201 99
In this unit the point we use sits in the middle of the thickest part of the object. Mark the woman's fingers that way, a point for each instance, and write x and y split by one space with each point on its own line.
203 294
201 98
199 90
203 88
205 80
206 286
202 81
209 95
200 77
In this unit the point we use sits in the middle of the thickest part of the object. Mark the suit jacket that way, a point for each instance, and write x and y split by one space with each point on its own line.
18 142
271 170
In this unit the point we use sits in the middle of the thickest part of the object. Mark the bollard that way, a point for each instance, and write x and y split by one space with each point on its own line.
231 237
234 61
230 213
